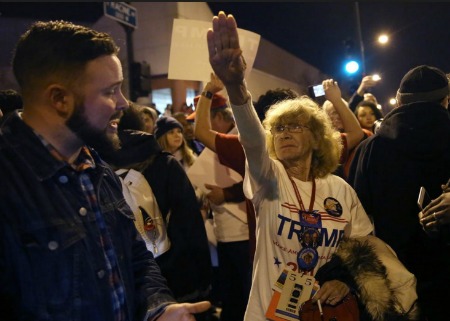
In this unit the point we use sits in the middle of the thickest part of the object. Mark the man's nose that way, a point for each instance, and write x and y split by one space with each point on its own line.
122 102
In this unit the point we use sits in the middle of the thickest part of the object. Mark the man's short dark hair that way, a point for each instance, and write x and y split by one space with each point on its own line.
131 119
10 100
57 48
372 106
271 97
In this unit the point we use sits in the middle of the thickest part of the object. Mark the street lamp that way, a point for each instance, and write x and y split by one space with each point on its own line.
383 39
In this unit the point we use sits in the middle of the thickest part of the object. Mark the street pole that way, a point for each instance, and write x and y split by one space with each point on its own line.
130 57
126 16
361 43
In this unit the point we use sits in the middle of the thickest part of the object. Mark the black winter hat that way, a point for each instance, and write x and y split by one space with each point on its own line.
423 83
164 124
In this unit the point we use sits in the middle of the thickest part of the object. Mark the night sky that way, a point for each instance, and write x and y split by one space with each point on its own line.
316 32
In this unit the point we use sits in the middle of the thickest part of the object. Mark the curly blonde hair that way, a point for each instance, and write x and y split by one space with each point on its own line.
304 110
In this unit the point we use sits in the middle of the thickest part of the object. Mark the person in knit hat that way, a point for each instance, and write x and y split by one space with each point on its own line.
169 134
424 84
188 132
165 124
411 149
176 199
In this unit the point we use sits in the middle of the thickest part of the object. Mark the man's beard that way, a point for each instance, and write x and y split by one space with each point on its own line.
92 137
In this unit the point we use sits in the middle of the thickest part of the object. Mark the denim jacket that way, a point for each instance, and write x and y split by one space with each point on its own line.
51 263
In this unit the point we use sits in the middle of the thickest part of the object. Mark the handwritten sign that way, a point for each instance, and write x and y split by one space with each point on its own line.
189 59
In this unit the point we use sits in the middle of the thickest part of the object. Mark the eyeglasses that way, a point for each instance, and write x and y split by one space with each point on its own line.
278 129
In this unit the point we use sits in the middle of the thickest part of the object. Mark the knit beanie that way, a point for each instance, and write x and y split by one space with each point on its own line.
423 83
164 124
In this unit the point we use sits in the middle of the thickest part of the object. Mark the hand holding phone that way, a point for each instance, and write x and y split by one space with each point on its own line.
376 77
424 199
316 91
435 214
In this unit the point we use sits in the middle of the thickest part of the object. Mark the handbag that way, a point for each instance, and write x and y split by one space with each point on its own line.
346 310
148 219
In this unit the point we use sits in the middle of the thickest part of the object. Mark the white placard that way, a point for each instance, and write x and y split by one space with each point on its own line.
208 170
189 58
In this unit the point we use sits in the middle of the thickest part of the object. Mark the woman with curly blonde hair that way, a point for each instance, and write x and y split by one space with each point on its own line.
327 141
290 160
304 212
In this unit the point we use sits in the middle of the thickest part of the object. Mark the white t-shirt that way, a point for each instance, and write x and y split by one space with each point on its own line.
230 222
278 227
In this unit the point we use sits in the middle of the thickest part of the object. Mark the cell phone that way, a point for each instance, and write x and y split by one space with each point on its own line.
316 91
424 199
376 77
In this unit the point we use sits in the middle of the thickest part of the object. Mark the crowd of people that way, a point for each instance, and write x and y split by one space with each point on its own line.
256 196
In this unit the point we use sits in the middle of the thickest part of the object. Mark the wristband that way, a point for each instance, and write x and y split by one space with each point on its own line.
207 94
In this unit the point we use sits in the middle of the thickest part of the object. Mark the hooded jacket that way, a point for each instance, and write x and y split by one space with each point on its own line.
411 149
187 264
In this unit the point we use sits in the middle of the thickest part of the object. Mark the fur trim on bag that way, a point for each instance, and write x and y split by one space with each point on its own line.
370 277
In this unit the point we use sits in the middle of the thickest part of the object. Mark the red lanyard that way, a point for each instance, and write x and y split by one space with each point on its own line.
299 198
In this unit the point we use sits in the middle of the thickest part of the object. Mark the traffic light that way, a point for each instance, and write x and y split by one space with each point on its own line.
351 66
140 79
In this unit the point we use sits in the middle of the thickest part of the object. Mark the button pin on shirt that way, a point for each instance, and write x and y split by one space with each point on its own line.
53 245
82 211
63 179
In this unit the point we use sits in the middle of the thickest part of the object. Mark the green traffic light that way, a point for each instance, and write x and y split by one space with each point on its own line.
351 67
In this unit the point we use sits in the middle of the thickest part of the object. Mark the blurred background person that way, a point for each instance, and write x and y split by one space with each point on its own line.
149 116
169 134
272 96
230 153
188 131
10 100
186 265
231 224
367 114
361 93
344 121
168 111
